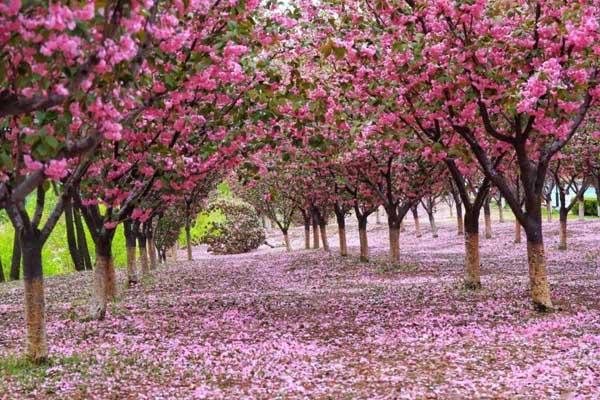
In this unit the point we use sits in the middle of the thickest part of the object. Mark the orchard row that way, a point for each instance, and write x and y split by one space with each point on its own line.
133 110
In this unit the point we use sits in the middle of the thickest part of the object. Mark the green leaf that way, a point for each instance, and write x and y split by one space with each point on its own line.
339 52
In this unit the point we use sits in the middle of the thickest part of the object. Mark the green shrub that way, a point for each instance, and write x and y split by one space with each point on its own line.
589 205
203 224
240 230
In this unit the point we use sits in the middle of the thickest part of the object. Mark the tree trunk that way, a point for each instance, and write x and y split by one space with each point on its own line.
451 212
377 217
394 233
500 210
434 230
323 229
71 238
563 229
82 240
549 209
402 227
188 239
306 218
581 210
2 278
316 239
362 237
15 265
143 254
472 259
487 216
152 252
538 276
150 246
341 223
37 346
415 214
517 231
459 219
307 236
130 247
105 288
286 240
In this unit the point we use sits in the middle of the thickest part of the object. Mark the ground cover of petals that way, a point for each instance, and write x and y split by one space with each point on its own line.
306 324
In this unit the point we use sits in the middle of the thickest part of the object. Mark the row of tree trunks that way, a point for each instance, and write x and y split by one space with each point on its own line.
143 252
151 246
76 239
130 246
105 289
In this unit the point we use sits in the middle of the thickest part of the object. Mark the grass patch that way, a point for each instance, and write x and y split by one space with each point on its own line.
56 259
20 365
30 375
388 267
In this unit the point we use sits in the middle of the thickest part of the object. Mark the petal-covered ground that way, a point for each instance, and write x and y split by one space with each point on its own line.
273 325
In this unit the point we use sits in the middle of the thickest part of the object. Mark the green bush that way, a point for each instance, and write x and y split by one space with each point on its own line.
589 205
203 224
239 232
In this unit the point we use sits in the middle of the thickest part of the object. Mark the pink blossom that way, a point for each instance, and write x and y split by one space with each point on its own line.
32 165
10 8
61 90
233 50
112 130
56 169
86 13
